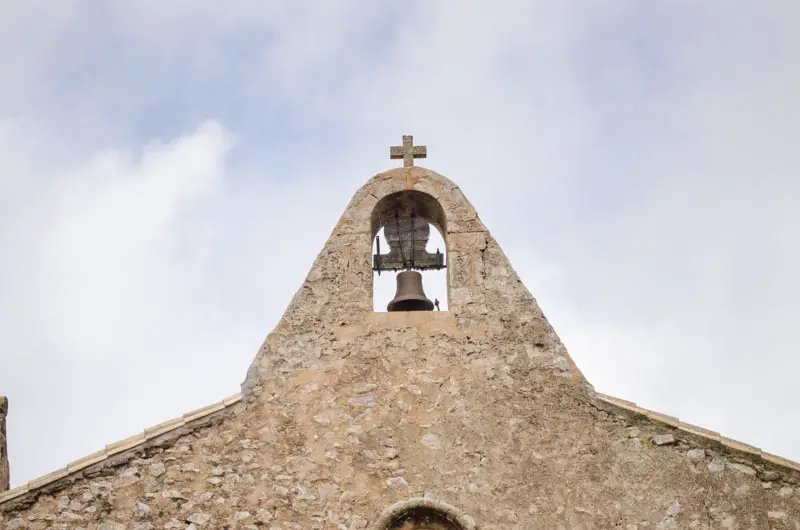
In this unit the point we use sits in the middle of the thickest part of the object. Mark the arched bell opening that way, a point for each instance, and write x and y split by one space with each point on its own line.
408 257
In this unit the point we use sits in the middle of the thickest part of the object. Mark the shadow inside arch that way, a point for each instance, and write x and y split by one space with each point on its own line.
402 202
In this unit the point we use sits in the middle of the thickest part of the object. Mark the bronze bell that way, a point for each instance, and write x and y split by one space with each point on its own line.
409 295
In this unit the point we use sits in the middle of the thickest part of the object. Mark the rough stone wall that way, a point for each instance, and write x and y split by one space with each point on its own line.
333 451
4 470
347 411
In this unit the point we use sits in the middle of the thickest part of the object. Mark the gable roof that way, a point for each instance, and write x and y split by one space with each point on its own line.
112 453
465 232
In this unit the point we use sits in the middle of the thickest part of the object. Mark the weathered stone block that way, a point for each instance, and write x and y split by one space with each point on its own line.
4 468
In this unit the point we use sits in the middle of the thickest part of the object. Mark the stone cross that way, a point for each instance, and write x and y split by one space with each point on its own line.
408 151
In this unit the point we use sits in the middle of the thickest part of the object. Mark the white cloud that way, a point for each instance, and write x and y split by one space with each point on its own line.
113 237
101 288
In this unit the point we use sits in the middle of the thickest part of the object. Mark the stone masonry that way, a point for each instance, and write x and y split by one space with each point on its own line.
4 472
472 418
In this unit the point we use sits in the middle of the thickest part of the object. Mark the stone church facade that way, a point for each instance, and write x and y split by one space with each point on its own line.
470 418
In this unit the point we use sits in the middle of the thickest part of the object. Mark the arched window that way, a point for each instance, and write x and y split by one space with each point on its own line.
402 240
422 519
423 514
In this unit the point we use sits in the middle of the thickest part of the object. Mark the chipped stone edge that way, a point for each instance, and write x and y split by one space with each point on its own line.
121 446
700 432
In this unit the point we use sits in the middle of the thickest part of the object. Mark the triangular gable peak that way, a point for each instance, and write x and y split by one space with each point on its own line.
332 312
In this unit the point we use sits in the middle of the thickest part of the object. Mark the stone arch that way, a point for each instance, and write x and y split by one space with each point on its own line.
457 212
423 514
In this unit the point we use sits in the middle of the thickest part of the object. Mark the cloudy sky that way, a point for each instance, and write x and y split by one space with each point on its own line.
169 171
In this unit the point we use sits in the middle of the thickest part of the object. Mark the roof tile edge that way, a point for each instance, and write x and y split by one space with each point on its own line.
700 432
118 447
